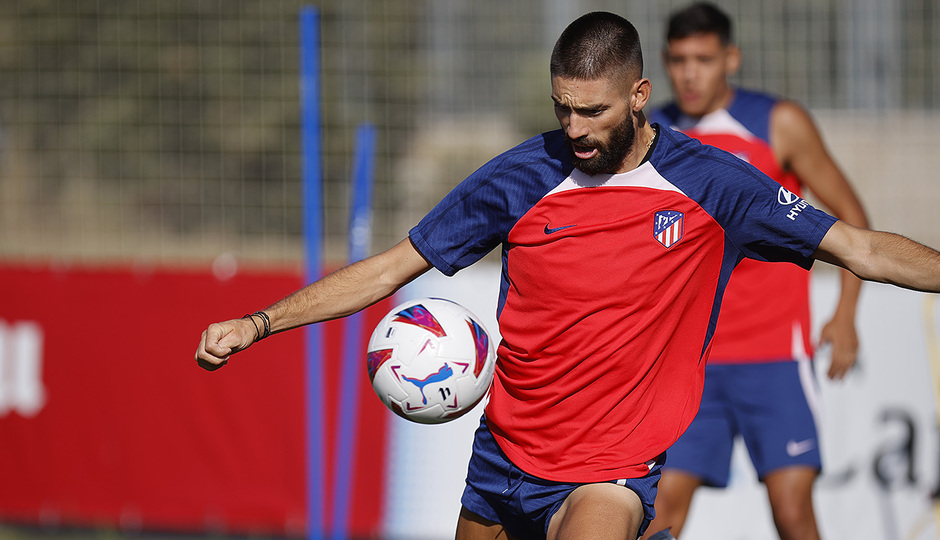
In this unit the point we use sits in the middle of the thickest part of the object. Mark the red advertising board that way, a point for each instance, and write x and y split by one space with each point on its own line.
105 419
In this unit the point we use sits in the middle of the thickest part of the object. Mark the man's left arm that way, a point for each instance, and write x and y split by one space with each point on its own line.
881 256
799 147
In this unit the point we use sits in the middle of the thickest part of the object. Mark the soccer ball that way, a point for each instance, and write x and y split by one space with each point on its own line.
430 360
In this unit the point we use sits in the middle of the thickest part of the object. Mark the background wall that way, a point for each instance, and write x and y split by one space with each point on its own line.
168 131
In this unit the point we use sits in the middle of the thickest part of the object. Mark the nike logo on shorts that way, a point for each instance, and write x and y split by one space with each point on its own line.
795 448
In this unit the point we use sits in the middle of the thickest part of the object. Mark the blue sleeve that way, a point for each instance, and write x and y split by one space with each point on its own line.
776 224
478 214
761 218
466 225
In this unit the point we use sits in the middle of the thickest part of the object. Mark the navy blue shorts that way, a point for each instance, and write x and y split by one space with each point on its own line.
523 504
768 404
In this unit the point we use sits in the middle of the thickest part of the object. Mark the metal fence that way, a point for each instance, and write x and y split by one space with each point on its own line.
167 131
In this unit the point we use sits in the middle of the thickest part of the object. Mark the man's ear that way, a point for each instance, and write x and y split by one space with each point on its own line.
732 60
641 94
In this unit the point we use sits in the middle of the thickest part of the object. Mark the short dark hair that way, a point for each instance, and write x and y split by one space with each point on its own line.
595 45
700 18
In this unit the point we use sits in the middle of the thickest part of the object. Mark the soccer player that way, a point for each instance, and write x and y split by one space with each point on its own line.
759 381
617 238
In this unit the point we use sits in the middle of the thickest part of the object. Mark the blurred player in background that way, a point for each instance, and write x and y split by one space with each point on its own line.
617 240
759 379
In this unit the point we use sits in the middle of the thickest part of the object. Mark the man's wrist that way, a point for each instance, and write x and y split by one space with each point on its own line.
262 324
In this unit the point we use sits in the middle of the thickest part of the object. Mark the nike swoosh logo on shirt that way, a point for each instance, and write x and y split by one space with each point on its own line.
795 448
550 230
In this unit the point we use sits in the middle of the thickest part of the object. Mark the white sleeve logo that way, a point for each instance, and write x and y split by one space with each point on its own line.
21 388
786 198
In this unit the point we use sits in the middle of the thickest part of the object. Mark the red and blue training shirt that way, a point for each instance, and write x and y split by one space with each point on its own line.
611 287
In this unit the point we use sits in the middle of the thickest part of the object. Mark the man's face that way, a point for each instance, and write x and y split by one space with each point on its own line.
597 121
698 68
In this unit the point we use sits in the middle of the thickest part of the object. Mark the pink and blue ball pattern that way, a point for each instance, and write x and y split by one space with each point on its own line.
482 343
375 360
418 315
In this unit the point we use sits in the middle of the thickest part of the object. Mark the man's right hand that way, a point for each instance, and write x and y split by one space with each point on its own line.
223 339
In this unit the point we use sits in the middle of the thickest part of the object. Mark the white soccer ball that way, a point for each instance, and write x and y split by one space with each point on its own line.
430 360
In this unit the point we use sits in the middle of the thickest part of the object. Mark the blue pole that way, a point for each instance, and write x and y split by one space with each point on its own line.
312 186
360 232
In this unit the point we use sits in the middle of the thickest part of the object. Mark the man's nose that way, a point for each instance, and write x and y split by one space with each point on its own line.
577 126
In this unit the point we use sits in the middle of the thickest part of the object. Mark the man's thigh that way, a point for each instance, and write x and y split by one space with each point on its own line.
599 512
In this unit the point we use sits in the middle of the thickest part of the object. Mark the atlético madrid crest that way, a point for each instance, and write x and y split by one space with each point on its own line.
667 227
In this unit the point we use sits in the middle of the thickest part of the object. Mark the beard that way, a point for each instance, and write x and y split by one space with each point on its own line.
610 155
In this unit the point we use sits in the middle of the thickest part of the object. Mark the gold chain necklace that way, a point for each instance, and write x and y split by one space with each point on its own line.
650 144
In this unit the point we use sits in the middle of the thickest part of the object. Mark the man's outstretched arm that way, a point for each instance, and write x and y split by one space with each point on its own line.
881 256
341 293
